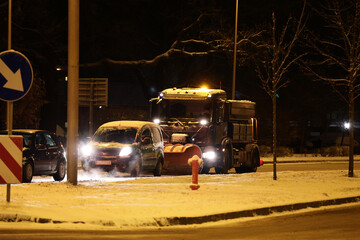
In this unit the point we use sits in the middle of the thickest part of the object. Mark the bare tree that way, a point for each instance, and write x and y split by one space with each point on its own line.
195 44
274 60
338 55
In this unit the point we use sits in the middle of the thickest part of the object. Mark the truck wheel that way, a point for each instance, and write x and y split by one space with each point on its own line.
205 170
251 165
255 158
240 169
225 163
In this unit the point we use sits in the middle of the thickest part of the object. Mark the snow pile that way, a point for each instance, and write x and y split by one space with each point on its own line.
134 201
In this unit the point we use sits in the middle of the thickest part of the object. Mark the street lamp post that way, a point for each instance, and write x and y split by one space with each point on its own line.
235 41
73 91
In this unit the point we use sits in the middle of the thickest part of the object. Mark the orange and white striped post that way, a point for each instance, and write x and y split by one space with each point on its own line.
10 160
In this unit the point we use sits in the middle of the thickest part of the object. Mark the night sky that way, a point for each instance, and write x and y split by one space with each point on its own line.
135 32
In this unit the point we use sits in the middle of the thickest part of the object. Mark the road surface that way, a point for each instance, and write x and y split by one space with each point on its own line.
328 223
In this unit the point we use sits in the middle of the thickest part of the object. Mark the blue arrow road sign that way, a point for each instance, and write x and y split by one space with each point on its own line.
16 75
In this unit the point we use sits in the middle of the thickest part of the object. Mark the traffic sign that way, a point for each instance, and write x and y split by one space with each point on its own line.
16 75
93 90
11 159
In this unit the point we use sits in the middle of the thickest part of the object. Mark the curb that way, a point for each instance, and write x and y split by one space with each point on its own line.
25 218
163 222
176 221
309 161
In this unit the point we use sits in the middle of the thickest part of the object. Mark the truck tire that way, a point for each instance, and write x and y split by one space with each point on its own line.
205 170
255 159
225 163
241 169
252 164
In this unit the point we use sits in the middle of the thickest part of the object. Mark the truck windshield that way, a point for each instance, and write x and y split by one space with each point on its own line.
174 108
126 135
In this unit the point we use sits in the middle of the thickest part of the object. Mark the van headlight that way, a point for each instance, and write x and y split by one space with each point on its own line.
156 120
209 155
86 150
125 152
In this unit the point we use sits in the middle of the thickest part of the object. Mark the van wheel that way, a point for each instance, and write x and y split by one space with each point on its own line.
28 171
158 168
135 169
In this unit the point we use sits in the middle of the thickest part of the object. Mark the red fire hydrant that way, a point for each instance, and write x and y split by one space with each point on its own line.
195 163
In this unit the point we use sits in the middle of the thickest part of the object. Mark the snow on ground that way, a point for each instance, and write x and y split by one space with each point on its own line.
137 201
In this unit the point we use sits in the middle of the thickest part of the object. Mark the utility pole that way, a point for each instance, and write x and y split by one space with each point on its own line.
73 91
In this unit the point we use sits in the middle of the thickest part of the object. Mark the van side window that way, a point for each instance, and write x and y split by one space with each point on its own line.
146 134
156 134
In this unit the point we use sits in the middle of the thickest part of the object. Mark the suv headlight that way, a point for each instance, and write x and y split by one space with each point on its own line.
125 151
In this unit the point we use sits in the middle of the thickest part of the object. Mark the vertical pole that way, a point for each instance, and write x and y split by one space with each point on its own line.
9 130
91 108
73 90
351 132
9 105
235 41
9 25
274 136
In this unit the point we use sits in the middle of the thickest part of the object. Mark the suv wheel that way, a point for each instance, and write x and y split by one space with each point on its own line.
60 173
28 170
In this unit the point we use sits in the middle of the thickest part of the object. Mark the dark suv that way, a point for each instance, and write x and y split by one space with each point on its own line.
43 154
125 146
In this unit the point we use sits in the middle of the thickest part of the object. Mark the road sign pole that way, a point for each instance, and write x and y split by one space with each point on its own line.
73 91
9 129
17 83
8 192
9 104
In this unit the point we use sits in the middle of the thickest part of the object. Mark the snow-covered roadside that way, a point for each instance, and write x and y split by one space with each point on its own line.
309 158
137 201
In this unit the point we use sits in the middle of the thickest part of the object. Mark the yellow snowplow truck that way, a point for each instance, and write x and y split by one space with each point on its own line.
225 130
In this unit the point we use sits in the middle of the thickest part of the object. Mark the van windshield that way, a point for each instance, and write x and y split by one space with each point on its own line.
122 135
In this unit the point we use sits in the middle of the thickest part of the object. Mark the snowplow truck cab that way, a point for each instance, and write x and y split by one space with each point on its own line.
225 130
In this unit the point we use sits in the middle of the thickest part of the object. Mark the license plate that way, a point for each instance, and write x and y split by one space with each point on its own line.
103 162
